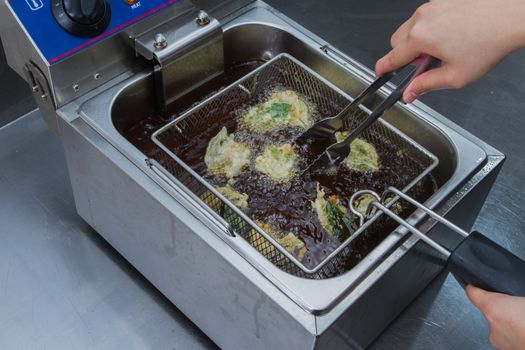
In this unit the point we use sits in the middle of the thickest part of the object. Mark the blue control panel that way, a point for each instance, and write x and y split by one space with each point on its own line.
56 44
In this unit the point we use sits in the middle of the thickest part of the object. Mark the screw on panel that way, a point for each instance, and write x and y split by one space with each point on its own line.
202 18
96 76
76 87
160 41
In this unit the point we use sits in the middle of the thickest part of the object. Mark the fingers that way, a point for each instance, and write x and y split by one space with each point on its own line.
478 296
400 55
488 302
500 312
401 33
434 79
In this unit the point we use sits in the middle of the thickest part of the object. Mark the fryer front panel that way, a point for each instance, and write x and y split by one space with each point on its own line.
223 295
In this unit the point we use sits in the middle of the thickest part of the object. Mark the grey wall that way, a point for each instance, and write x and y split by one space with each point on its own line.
15 97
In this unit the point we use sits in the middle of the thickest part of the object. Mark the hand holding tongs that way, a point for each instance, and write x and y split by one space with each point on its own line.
477 260
337 152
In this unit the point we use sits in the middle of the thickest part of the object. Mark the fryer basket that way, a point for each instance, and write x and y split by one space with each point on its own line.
286 72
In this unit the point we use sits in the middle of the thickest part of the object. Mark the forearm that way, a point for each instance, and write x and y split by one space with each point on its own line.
512 24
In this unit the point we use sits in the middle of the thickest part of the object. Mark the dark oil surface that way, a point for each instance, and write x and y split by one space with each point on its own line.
288 207
139 132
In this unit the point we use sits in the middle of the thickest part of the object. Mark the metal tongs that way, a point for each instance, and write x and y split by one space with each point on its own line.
477 260
327 127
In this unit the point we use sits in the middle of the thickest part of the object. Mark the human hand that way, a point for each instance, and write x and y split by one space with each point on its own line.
469 37
505 315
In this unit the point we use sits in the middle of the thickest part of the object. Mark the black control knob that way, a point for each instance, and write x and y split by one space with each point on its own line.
83 18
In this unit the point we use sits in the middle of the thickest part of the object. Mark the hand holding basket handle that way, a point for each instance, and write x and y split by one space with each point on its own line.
483 263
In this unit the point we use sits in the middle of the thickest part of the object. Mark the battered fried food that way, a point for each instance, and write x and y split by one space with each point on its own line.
224 156
282 109
277 162
363 155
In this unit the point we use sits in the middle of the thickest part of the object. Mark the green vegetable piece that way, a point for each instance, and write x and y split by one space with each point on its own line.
339 221
279 110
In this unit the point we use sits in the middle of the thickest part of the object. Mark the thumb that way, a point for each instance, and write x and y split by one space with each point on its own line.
434 79
478 296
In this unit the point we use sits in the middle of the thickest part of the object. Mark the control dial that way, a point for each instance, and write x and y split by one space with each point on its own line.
83 18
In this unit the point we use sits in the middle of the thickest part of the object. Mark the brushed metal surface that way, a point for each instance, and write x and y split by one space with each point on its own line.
87 69
15 97
61 285
313 296
328 297
440 318
229 300
191 55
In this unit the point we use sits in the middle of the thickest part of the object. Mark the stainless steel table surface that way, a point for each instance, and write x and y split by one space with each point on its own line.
64 287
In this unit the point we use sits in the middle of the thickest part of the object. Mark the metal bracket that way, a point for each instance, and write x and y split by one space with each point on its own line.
186 53
42 94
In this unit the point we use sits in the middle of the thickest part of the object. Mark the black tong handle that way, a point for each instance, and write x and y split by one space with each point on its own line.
420 65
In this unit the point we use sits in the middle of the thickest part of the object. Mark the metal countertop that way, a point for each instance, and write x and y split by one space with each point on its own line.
63 286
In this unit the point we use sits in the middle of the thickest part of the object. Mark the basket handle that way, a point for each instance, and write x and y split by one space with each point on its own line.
477 260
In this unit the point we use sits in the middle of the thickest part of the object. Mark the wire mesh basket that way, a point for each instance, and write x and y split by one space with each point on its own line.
283 72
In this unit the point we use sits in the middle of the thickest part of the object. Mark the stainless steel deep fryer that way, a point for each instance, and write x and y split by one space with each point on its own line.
164 55
281 72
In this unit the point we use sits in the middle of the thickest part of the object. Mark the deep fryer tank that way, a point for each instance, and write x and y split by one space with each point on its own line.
224 285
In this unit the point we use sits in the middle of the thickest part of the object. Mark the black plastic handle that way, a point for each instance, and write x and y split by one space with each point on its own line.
485 264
